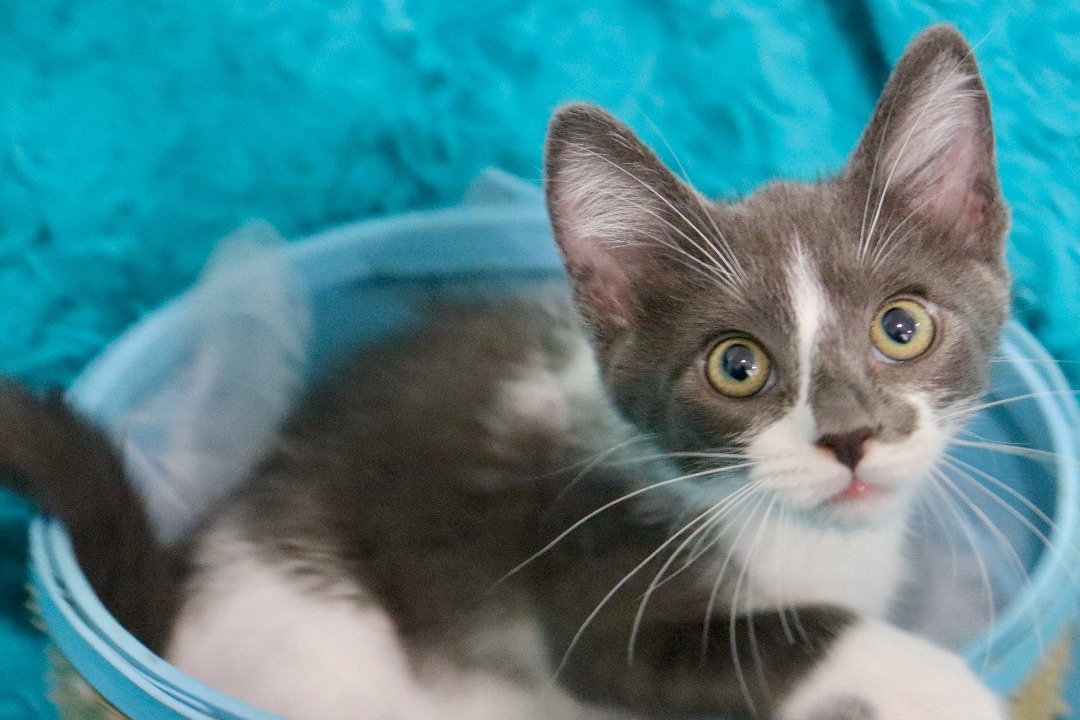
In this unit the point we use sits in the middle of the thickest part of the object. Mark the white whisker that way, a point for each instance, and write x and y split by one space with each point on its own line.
960 466
710 607
954 554
939 483
611 504
592 463
726 264
782 600
886 248
702 202
715 514
1035 509
1028 360
1003 543
1028 453
710 271
755 651
864 244
618 586
1017 398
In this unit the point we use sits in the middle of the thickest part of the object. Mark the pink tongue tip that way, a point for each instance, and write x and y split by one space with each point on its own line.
856 490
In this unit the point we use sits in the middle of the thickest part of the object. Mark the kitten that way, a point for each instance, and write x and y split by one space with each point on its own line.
742 421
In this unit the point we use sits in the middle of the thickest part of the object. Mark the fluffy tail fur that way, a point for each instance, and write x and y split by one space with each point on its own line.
72 471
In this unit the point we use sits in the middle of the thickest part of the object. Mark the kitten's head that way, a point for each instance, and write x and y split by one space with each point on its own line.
830 334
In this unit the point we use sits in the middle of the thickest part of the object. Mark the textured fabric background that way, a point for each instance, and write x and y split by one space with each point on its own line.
135 133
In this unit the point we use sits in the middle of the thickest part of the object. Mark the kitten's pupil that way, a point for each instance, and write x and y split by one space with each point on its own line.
737 368
739 362
899 325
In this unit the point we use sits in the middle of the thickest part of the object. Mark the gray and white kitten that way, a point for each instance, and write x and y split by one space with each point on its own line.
756 395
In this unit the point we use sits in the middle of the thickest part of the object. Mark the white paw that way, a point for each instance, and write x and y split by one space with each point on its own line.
877 672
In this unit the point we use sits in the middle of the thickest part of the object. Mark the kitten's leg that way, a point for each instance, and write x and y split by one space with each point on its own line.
874 671
813 663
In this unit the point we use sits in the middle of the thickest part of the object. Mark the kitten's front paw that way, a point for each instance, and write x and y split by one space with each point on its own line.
877 672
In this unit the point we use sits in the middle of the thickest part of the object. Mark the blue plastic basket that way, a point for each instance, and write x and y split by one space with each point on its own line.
361 278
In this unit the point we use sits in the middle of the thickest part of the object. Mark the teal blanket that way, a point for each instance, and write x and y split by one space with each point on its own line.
135 134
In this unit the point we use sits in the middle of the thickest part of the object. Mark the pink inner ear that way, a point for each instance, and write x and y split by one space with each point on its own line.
939 148
952 195
601 282
593 222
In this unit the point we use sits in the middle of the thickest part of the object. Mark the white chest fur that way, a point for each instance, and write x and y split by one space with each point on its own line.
792 563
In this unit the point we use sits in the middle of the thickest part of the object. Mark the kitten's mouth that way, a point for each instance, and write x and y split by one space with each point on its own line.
856 491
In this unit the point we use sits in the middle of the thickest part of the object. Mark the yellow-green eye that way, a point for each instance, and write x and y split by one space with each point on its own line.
902 330
737 367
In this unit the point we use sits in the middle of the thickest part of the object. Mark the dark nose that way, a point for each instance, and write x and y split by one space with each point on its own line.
846 446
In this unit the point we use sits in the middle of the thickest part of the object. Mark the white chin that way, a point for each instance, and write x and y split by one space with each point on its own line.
878 508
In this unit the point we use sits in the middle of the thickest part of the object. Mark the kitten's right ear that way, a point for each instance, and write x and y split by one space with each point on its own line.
930 144
616 212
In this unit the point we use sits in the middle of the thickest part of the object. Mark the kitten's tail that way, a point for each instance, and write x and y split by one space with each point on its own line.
73 472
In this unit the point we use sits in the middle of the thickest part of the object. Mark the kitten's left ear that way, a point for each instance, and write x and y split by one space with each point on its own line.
930 144
620 218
